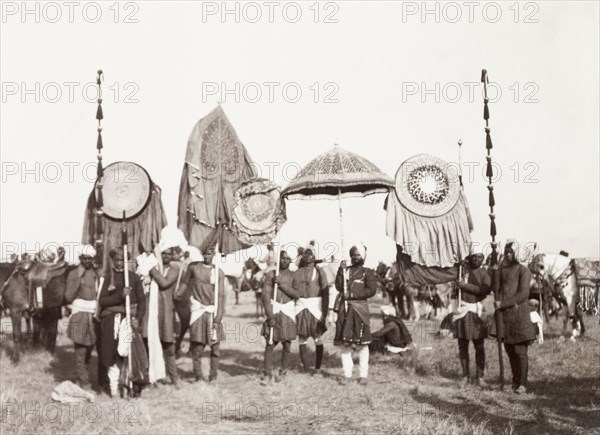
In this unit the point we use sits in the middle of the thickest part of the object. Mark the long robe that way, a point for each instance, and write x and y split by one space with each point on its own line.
112 303
353 325
198 278
512 284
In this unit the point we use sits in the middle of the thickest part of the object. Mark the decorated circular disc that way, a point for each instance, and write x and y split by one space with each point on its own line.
428 186
125 187
257 207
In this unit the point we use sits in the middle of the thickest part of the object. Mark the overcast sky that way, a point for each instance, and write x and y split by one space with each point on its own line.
386 80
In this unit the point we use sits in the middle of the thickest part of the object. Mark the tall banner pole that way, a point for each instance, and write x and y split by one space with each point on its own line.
343 249
214 334
127 298
98 230
277 258
492 203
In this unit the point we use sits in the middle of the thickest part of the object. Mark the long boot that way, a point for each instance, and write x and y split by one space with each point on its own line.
319 356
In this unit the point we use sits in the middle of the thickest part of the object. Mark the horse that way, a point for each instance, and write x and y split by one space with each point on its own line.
558 270
19 296
384 281
252 278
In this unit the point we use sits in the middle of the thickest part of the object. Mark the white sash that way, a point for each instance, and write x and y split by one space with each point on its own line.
463 309
83 306
394 349
311 304
199 309
288 309
156 362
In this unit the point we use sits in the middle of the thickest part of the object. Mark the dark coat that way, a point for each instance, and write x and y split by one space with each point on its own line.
353 326
511 282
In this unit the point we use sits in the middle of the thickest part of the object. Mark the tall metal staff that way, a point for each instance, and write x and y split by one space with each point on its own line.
460 260
491 201
277 258
214 331
127 299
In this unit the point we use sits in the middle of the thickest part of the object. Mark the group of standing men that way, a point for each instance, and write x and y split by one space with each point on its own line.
299 309
98 307
510 282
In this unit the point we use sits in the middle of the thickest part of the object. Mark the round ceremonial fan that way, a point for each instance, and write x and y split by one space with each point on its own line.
427 186
258 211
125 186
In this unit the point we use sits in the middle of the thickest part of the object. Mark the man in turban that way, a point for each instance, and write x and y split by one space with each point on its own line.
206 310
353 331
112 302
469 326
393 337
511 282
166 280
81 293
182 299
311 308
281 315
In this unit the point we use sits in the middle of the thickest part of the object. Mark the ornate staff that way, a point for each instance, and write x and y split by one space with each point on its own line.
214 333
460 260
127 299
99 174
277 258
494 260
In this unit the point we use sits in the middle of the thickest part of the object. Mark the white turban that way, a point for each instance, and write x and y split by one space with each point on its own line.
171 237
194 254
477 248
388 310
146 262
87 250
362 249
523 252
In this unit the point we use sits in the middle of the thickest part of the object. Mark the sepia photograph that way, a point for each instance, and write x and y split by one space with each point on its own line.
300 217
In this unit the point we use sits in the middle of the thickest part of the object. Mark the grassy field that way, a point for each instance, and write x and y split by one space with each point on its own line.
413 393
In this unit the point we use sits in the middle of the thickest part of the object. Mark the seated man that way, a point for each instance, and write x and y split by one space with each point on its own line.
393 337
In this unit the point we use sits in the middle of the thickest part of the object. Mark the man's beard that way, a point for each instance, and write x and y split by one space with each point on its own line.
358 263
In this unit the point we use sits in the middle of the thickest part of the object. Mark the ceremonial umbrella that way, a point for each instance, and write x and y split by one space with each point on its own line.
338 174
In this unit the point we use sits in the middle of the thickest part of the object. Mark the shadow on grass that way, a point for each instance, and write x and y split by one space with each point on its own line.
439 409
563 396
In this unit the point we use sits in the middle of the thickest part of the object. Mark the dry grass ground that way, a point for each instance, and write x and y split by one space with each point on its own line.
416 393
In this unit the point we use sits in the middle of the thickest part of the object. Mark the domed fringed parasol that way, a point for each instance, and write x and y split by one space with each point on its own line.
338 174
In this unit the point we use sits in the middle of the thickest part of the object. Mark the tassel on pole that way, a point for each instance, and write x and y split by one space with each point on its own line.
99 114
488 139
489 170
491 200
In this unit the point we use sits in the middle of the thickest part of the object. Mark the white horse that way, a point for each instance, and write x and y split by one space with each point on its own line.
560 273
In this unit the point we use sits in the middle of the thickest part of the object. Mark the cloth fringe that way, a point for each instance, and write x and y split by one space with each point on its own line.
430 241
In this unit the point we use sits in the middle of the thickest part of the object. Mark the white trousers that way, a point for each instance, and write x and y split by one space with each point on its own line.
113 379
363 361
